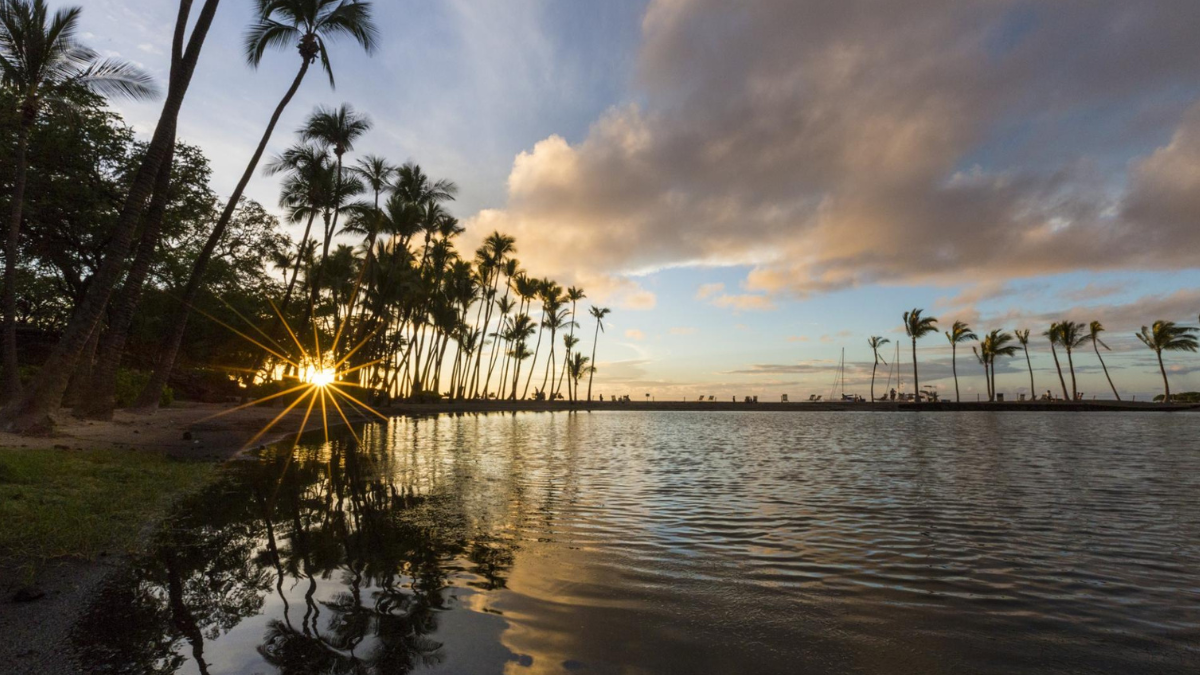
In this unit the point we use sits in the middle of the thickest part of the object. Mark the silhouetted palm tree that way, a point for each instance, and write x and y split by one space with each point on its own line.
916 327
875 343
1166 336
574 294
577 366
598 313
309 25
1094 330
1023 337
41 62
1072 335
960 332
1055 337
997 343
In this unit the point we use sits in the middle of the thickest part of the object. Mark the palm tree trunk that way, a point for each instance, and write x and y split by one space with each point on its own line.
916 380
32 412
529 377
592 372
148 399
100 393
1071 366
1058 367
1166 383
1106 375
953 368
10 378
1029 364
874 367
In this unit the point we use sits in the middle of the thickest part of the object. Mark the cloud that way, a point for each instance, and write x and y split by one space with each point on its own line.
635 334
834 144
683 330
743 302
797 338
707 291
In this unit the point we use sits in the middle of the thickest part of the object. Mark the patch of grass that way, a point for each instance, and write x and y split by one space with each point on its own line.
69 503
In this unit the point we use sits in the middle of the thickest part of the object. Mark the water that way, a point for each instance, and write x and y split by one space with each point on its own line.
626 542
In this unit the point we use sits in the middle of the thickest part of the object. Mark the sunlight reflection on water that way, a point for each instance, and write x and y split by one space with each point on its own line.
625 542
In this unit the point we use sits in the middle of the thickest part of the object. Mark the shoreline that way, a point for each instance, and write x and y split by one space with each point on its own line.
480 406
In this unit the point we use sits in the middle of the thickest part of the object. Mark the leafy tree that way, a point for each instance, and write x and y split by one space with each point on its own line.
1167 336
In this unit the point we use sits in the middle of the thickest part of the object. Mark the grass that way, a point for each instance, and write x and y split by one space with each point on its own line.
72 503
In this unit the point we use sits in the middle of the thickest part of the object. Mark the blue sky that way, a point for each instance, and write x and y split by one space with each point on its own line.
828 164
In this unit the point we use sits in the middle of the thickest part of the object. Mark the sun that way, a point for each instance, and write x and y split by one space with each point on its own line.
319 376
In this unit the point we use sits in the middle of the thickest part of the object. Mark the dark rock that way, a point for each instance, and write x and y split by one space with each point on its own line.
28 594
61 446
187 435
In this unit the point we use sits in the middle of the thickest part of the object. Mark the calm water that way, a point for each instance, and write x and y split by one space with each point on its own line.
628 542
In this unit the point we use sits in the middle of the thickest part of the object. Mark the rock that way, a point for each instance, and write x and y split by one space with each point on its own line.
187 435
61 446
28 594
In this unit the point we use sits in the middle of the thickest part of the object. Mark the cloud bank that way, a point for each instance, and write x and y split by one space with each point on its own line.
834 143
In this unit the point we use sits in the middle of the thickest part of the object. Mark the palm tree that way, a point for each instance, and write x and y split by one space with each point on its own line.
309 25
1166 336
875 343
41 62
574 294
1023 337
1094 330
996 344
577 365
917 326
336 129
1070 336
1055 337
958 334
598 313
32 412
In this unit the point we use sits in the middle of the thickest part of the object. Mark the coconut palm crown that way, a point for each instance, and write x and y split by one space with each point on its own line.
1167 336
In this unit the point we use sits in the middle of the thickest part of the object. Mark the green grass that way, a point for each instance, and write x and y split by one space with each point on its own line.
71 503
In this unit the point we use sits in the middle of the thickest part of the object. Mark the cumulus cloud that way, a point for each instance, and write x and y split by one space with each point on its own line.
830 144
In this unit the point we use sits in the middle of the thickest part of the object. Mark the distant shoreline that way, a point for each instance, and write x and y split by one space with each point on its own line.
478 406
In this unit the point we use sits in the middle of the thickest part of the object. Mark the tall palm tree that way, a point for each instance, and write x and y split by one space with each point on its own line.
336 129
1167 336
1055 337
32 411
997 343
1023 338
916 327
598 313
574 294
960 332
309 25
1071 335
875 343
1095 328
41 62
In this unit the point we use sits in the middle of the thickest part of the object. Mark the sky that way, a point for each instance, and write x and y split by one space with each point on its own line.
757 187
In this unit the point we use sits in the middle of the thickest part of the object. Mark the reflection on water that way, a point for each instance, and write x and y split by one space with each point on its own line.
630 542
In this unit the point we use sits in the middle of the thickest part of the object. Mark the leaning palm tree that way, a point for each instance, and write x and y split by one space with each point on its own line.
875 343
1094 330
916 327
41 62
1167 336
309 25
1071 335
574 294
960 332
598 313
1055 337
1023 338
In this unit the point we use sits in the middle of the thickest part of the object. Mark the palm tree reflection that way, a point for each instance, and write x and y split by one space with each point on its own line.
365 549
